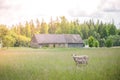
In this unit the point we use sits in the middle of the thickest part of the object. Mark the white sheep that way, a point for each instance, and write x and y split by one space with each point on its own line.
83 59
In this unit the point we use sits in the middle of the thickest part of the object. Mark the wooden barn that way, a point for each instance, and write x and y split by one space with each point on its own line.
56 40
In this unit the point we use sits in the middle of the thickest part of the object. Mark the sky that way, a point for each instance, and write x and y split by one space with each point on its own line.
15 11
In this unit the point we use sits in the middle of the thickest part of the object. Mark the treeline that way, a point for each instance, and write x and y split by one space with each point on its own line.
94 34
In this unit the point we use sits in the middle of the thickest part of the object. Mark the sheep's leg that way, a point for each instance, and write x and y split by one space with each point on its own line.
86 62
76 63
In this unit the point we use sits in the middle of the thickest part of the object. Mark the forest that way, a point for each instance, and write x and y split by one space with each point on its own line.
94 34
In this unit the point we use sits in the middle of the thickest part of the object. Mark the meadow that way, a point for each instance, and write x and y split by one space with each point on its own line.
58 64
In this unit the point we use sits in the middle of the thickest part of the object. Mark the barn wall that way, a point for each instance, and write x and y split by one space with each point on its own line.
75 45
52 45
57 45
60 45
34 44
66 45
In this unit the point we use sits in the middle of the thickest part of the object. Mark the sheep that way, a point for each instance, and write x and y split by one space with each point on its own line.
83 59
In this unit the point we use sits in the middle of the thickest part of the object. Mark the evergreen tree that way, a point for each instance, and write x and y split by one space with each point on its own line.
44 28
32 28
112 30
27 29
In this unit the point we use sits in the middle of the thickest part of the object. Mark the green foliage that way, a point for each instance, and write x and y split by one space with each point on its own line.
118 32
5 36
112 29
109 43
96 43
93 42
102 42
105 32
86 42
8 41
115 39
84 31
27 30
96 35
3 31
22 41
99 30
44 28
52 26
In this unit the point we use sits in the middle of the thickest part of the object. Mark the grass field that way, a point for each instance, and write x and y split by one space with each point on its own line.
57 64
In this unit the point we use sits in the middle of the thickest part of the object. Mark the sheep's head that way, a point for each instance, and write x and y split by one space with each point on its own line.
73 54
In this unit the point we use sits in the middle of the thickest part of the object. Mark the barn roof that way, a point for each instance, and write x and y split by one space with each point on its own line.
58 38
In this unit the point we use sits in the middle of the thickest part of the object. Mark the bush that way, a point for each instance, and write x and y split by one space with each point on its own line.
102 42
85 42
93 42
8 41
96 44
115 39
109 43
22 41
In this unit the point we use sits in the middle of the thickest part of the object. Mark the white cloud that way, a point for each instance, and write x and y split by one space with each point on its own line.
14 11
111 6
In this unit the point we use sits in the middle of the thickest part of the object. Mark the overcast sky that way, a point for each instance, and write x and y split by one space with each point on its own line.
15 11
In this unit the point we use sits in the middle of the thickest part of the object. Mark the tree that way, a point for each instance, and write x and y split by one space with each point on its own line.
27 29
19 29
91 27
8 41
77 29
91 41
118 32
1 43
84 31
22 41
52 26
32 28
44 28
86 42
63 26
3 31
38 26
115 39
96 43
112 29
100 29
96 35
109 43
102 42
104 32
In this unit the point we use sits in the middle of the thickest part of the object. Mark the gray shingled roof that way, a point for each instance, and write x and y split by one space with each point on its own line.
58 38
73 38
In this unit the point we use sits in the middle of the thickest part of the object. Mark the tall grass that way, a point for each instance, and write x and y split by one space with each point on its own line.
57 64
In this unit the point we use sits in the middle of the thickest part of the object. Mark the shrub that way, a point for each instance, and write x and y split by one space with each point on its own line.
109 43
96 43
93 42
22 41
115 39
102 42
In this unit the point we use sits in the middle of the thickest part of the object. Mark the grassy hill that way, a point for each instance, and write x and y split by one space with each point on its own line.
57 64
